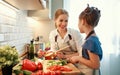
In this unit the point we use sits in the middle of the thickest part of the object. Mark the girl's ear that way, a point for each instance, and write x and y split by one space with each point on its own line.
82 22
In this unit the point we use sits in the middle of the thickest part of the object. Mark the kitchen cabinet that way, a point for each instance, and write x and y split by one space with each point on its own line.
53 6
48 13
27 4
38 9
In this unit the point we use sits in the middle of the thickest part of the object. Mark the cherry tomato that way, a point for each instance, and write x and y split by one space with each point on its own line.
39 66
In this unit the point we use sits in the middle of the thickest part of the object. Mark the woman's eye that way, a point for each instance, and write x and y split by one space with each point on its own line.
61 20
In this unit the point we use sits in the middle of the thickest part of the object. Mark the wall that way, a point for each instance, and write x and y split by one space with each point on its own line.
14 27
53 6
42 28
17 29
107 31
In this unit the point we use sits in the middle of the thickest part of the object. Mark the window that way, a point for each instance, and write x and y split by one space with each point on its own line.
107 28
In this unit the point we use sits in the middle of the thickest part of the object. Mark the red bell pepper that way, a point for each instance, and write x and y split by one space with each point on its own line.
28 65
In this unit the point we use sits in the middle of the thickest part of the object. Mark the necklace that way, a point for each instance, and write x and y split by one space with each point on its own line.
90 34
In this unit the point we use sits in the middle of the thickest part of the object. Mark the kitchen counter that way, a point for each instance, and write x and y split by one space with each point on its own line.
74 71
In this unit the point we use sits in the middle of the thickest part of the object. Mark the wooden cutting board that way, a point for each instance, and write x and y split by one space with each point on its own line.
74 71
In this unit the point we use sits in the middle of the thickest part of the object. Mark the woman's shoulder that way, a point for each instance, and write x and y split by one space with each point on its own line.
73 31
76 34
53 32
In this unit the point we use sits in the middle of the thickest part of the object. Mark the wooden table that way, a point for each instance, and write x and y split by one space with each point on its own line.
0 72
74 71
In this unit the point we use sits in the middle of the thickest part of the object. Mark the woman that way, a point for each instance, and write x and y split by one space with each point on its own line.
67 39
89 61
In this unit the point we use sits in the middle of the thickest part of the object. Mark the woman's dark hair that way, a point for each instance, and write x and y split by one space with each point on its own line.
91 15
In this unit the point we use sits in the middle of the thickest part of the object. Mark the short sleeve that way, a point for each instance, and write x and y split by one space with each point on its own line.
93 44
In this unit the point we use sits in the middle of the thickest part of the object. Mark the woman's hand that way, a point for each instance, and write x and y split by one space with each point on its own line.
60 55
41 53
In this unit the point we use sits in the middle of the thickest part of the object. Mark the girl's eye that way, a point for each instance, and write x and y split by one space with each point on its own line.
66 20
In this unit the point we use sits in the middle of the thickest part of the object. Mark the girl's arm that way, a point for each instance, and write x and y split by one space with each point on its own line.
93 62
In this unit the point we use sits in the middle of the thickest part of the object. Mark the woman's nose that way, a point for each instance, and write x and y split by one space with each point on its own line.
64 23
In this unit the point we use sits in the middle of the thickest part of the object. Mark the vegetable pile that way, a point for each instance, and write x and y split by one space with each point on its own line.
29 67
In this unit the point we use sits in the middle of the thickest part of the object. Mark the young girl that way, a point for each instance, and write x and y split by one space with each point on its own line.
89 60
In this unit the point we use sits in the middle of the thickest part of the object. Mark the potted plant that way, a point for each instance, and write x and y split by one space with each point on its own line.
8 58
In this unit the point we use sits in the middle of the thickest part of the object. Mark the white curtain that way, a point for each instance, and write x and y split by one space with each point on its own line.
107 29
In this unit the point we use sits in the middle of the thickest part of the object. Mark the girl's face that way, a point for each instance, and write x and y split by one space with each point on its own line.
61 22
81 26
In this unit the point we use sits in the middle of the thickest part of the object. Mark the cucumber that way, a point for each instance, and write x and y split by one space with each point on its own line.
17 72
26 72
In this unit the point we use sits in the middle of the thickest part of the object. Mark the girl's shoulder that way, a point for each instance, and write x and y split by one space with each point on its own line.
93 38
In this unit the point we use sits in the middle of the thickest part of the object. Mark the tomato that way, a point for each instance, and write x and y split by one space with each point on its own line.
39 72
39 66
33 74
53 73
59 68
58 72
47 73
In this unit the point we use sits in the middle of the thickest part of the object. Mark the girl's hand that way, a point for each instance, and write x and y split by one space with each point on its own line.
74 59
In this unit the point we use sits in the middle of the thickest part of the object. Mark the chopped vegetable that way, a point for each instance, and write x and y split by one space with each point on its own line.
26 72
54 62
59 68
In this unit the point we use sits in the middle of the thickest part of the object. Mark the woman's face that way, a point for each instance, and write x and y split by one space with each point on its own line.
61 22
